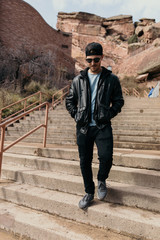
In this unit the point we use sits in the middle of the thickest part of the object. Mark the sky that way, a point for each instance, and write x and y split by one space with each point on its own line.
138 9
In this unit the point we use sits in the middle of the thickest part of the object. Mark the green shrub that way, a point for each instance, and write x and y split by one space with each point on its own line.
32 87
133 39
8 97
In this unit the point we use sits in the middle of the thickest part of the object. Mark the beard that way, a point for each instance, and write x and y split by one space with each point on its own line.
95 68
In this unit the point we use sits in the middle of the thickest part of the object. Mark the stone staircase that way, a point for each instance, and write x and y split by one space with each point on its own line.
41 187
136 127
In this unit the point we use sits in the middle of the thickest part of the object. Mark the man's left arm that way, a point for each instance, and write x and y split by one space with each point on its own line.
117 98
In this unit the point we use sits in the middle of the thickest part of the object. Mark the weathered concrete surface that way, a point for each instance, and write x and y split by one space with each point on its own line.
7 236
49 179
119 218
60 178
84 230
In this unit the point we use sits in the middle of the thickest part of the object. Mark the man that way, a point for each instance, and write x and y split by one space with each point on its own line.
95 97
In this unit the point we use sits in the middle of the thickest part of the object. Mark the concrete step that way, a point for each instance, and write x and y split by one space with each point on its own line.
141 223
117 143
68 120
71 124
120 127
121 157
118 136
64 139
139 127
135 176
124 114
72 132
133 99
32 139
137 118
137 145
121 193
140 111
32 224
12 131
141 139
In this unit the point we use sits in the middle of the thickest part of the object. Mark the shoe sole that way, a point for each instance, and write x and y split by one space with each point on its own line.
90 203
101 198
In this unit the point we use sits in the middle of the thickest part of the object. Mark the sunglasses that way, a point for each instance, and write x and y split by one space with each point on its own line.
89 60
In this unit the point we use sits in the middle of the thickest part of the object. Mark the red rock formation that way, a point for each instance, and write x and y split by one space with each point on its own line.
121 25
23 31
113 33
148 32
85 28
147 61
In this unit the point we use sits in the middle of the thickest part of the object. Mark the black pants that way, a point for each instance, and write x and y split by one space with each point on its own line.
104 141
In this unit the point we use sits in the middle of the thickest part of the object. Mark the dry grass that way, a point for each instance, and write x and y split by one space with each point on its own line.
9 97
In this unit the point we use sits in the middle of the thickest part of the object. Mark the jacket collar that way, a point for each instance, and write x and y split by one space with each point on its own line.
105 72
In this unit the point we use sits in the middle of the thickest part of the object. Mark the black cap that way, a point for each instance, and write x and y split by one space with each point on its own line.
94 49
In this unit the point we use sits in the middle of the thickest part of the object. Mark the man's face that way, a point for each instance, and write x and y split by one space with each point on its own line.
94 63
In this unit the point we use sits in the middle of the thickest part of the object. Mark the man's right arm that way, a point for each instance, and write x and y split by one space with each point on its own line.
71 100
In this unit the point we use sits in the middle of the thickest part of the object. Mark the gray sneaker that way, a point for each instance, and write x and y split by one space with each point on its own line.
102 190
86 201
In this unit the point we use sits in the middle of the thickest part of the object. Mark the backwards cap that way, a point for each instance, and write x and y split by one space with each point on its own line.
94 49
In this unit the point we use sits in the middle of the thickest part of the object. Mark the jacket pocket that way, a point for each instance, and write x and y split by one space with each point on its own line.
81 116
103 114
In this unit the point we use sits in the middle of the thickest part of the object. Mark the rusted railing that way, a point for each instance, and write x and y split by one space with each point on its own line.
145 94
59 96
25 107
125 91
136 93
12 120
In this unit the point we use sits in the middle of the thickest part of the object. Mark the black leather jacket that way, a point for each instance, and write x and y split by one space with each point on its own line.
108 103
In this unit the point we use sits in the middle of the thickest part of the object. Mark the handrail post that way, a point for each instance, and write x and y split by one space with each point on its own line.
40 99
52 101
1 147
46 124
62 96
25 104
0 115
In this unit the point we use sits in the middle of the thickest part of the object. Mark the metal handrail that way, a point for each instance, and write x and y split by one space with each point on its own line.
136 93
12 118
63 92
125 91
25 107
145 93
8 122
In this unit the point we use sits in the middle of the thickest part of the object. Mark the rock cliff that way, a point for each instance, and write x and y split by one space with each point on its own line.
129 48
30 48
